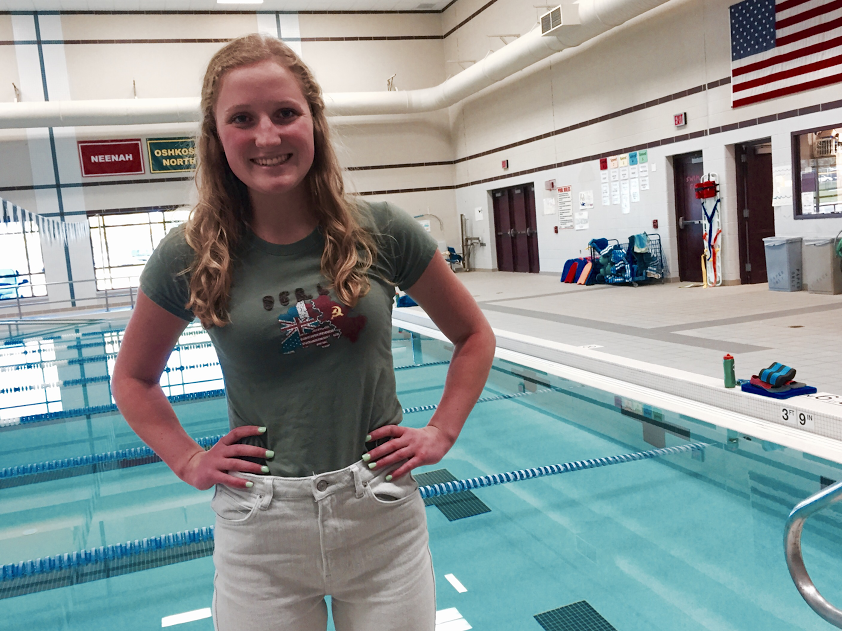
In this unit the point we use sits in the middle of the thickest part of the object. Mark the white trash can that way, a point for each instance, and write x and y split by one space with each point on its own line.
783 263
822 268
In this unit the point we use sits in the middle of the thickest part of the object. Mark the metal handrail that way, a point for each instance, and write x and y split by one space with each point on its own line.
794 559
101 293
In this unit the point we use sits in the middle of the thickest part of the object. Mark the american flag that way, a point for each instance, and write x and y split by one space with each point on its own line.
784 46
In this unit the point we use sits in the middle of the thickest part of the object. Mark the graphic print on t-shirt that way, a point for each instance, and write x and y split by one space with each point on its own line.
316 323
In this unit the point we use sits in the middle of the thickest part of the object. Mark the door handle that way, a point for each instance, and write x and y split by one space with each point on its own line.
513 233
530 232
683 222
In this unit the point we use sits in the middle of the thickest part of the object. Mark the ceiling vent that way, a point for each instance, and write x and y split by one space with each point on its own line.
562 15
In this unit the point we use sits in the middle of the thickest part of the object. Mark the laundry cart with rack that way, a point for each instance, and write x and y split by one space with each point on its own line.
640 261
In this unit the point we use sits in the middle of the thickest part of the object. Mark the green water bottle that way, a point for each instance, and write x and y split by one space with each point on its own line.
728 366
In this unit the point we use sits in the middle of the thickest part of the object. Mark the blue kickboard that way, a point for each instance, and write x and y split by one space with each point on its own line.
794 392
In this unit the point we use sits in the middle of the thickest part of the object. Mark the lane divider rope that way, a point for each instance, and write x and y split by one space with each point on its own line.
121 455
94 556
56 563
190 396
446 488
145 452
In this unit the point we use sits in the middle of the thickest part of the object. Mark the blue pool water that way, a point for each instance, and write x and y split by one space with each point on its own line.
689 541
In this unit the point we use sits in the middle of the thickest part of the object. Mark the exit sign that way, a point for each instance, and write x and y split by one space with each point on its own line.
680 119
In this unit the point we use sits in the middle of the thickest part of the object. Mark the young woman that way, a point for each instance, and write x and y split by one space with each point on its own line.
294 282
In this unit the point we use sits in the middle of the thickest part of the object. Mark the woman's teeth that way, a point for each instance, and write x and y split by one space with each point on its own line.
272 162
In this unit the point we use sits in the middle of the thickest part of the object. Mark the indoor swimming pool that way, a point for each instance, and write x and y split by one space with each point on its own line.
689 541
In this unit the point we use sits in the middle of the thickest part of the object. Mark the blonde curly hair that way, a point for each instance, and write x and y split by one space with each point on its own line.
217 221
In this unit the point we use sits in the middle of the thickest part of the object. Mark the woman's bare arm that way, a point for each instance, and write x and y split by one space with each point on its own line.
150 336
456 313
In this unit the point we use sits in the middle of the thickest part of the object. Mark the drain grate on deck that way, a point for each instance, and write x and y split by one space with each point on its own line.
455 506
579 616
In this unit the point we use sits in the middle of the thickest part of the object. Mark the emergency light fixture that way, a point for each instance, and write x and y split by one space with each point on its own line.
562 15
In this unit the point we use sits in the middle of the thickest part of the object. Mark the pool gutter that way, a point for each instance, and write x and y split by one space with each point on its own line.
697 396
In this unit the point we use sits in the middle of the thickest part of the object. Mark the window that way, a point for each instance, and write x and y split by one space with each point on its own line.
122 242
21 263
817 185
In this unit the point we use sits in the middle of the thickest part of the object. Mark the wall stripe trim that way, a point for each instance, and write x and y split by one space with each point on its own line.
830 105
656 143
175 12
557 132
209 40
469 18
421 12
33 187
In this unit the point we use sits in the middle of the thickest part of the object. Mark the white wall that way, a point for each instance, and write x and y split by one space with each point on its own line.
681 45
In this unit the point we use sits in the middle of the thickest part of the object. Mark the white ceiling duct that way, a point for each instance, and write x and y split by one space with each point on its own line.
595 16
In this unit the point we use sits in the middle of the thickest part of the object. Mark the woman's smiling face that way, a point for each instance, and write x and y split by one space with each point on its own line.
265 127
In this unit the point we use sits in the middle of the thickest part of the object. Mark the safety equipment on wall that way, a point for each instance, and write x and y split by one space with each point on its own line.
707 192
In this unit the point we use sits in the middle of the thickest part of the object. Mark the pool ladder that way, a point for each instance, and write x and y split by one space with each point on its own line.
794 559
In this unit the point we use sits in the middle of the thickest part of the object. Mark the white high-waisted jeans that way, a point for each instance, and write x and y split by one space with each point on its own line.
285 543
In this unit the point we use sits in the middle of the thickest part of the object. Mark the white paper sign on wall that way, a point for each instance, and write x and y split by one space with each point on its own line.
479 215
781 186
549 206
565 208
585 200
425 223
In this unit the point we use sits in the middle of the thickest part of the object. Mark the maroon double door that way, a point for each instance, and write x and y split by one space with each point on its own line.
515 228
756 217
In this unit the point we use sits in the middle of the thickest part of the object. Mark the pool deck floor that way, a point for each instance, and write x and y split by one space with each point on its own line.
673 325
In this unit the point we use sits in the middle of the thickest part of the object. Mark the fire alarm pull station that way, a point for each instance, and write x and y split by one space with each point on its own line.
505 164
555 229
655 224
549 185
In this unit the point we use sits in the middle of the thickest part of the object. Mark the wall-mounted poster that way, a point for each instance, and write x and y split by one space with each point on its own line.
606 194
565 208
585 200
624 159
613 162
634 189
581 220
643 156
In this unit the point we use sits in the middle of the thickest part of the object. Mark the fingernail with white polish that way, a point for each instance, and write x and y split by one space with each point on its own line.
366 457
368 438
372 465
389 478
262 430
249 485
264 469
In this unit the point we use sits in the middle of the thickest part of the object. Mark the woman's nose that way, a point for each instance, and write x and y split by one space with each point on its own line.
267 134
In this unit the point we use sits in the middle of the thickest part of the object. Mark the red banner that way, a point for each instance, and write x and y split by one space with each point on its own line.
110 157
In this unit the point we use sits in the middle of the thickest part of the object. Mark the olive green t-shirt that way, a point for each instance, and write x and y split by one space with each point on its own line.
317 375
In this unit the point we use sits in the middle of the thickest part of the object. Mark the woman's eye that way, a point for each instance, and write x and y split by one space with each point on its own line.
239 119
287 114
